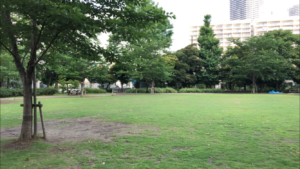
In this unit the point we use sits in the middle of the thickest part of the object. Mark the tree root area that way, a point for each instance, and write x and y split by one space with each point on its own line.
76 130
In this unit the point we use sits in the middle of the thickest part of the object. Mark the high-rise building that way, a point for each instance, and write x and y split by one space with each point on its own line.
244 9
294 11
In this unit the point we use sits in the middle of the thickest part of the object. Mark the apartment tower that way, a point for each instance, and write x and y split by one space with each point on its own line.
294 11
244 9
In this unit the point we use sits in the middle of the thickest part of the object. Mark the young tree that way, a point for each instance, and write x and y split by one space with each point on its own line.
39 25
210 54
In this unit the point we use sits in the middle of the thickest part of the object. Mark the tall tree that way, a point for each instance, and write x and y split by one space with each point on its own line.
210 53
43 24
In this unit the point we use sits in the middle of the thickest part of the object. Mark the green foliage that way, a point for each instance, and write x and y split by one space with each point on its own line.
156 90
4 92
210 54
187 66
94 90
200 86
196 90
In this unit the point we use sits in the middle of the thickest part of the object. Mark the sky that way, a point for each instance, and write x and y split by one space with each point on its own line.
191 13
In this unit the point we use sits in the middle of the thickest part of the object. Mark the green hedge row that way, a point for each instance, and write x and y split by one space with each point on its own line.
94 90
156 90
4 92
195 90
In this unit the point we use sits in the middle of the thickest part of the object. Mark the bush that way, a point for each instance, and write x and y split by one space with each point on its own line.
195 90
156 90
4 92
94 90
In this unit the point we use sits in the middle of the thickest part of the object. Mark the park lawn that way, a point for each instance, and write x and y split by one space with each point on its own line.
191 131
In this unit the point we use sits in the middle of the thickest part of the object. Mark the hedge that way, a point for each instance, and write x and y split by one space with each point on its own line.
195 90
94 90
4 92
156 90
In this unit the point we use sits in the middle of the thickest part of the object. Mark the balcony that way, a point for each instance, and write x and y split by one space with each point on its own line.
227 31
227 27
273 24
218 32
236 26
246 30
287 23
236 35
218 27
287 28
261 29
245 26
219 36
246 35
227 35
296 32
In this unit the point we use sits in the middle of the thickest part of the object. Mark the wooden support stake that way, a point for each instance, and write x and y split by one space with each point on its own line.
42 120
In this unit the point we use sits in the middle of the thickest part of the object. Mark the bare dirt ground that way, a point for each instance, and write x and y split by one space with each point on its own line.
76 130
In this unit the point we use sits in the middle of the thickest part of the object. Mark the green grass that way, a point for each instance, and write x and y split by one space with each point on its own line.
195 131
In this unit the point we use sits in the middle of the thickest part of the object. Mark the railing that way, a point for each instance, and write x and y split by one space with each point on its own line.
236 35
245 25
274 24
296 32
237 26
245 30
245 34
218 27
287 23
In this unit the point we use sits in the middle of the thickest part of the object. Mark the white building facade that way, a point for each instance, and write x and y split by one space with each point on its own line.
244 29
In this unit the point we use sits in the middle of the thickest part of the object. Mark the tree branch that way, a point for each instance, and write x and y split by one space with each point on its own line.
7 49
40 33
25 56
45 51
51 42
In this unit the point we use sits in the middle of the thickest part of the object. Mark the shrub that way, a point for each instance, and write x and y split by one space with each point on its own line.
94 90
195 90
16 92
4 92
156 90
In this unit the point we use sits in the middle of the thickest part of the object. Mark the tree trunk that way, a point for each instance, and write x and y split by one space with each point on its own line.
1 83
244 87
260 88
7 85
56 83
276 86
152 87
49 81
82 87
253 83
121 87
26 130
26 77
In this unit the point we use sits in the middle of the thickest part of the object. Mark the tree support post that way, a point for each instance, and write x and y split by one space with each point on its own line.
42 119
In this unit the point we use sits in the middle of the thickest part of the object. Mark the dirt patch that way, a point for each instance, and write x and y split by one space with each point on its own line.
76 130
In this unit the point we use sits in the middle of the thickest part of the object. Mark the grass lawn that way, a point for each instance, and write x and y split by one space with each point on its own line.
177 131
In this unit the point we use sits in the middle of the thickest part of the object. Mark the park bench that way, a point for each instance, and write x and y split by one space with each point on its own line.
73 91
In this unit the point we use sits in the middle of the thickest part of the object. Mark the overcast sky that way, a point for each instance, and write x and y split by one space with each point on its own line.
191 13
